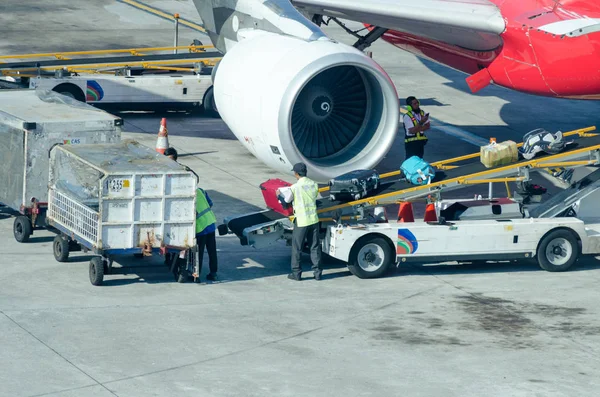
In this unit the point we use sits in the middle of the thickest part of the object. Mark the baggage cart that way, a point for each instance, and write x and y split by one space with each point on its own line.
119 199
31 122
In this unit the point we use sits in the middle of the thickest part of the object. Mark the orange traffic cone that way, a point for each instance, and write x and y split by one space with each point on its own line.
430 215
405 212
162 143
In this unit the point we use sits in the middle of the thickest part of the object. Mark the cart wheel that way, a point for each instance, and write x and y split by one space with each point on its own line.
96 271
371 257
61 248
558 251
181 274
22 229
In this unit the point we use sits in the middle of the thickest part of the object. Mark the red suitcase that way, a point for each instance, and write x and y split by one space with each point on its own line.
269 191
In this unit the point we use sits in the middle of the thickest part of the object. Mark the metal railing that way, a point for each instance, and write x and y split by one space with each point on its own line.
73 216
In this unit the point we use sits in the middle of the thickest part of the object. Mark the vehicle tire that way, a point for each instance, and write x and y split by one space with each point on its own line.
22 229
70 90
209 104
371 257
181 274
558 251
96 271
61 248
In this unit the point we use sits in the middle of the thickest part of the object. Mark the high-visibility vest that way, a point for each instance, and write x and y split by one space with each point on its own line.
305 202
419 136
204 215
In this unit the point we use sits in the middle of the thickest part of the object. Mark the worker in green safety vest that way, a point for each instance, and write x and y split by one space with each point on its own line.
416 122
205 233
306 223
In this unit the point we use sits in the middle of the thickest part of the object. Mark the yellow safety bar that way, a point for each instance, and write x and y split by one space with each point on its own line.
165 15
130 51
467 181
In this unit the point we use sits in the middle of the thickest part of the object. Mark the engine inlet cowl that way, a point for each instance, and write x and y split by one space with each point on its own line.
322 103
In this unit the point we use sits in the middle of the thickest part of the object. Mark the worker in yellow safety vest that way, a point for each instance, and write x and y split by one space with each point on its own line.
306 223
205 233
416 122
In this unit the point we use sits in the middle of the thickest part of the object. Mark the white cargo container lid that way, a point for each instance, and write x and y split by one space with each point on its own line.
43 106
124 157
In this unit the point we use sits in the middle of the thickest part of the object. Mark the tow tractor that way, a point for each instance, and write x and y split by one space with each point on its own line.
554 233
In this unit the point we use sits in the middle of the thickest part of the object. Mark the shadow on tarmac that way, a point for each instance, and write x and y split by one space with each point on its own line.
584 263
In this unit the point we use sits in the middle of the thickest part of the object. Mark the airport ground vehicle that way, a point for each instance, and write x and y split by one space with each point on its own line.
121 198
142 81
31 123
553 236
134 92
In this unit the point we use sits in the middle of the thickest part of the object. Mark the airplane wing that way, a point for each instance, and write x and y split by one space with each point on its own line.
471 24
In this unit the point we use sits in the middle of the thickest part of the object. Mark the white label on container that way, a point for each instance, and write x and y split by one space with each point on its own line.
116 185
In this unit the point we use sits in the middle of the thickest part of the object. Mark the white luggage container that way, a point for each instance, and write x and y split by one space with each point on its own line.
31 122
119 199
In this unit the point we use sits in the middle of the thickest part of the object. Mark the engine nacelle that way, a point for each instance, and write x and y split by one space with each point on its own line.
319 102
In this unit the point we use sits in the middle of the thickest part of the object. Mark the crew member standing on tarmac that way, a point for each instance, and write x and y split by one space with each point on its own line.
205 233
306 223
416 122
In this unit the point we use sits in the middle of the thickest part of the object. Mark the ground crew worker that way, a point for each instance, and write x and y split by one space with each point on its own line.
416 122
205 233
306 223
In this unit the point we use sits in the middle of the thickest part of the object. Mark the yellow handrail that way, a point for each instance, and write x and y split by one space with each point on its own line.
131 51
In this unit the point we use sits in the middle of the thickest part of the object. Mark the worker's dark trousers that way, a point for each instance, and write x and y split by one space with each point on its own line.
414 148
299 234
209 241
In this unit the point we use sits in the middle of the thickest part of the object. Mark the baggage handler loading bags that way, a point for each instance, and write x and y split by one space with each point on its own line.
306 223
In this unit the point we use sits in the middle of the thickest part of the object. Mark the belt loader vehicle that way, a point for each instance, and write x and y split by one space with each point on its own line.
554 234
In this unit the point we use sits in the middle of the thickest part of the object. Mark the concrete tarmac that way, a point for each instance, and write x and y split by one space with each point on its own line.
500 329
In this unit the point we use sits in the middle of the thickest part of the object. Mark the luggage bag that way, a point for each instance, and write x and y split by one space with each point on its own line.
269 192
497 154
353 185
417 171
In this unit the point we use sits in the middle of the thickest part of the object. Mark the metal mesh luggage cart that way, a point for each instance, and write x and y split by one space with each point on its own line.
119 199
31 122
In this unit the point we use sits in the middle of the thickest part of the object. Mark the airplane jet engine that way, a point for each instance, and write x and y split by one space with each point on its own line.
320 102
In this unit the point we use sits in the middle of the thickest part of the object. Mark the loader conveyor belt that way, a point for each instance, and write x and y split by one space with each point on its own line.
394 188
468 171
237 225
